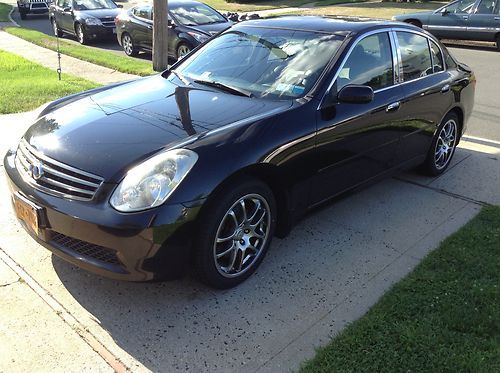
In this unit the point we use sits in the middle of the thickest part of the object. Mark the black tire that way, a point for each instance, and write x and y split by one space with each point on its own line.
215 220
56 29
414 23
433 166
181 50
498 42
22 15
128 45
81 35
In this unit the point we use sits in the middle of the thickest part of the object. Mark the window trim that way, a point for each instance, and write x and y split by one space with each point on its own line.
397 60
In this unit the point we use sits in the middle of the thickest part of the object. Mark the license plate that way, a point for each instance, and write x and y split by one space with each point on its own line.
114 30
27 212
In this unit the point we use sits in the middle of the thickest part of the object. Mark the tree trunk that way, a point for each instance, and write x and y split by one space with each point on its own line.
160 35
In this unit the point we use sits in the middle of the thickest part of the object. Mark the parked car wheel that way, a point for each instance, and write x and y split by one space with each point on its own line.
235 233
443 146
128 45
80 34
55 28
182 50
498 42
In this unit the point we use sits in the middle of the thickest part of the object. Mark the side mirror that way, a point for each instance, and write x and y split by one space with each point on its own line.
355 94
444 11
67 9
171 23
119 5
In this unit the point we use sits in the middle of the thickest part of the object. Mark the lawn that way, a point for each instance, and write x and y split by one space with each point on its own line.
4 12
374 10
26 85
99 57
250 6
443 317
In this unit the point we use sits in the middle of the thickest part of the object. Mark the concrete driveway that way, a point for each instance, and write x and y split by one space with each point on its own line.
336 263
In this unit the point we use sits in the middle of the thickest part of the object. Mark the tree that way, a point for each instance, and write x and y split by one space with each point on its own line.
160 35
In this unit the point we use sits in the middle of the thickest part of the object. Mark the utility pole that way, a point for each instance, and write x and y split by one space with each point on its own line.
160 35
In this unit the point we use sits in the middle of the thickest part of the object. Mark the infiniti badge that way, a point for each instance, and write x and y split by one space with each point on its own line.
36 170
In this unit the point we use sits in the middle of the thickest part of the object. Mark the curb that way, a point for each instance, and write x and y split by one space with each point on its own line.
11 19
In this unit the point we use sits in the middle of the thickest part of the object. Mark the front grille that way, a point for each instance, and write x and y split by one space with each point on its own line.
108 21
54 177
85 249
39 1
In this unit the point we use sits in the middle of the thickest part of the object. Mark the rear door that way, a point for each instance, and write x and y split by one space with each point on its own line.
427 93
452 21
484 23
142 26
65 18
356 142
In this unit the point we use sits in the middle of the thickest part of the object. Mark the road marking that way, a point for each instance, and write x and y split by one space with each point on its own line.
113 361
481 140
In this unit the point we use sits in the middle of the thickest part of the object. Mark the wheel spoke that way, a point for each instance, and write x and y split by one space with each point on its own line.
225 252
225 239
235 220
257 209
253 226
244 210
234 254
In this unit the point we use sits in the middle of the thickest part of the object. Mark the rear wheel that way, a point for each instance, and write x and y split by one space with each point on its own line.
443 146
55 28
81 35
128 45
182 50
235 233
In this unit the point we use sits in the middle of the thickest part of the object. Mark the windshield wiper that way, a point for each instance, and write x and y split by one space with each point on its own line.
225 87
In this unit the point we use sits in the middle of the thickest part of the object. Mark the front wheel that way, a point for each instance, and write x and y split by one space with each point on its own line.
182 50
81 34
443 146
128 45
235 233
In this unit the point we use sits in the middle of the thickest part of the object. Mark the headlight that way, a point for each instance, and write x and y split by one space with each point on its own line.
92 21
150 183
200 38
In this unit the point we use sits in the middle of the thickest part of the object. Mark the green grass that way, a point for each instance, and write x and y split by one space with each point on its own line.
4 12
99 57
26 85
372 10
443 317
243 6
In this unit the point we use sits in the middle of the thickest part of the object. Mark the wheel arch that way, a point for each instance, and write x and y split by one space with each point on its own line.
458 111
414 21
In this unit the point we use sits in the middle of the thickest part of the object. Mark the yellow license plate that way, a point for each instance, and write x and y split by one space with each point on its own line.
27 212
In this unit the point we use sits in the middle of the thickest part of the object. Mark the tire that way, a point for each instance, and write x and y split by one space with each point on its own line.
443 146
498 42
81 34
56 29
182 50
128 45
414 23
230 247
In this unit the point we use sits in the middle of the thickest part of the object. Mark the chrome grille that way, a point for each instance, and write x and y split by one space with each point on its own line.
54 177
108 21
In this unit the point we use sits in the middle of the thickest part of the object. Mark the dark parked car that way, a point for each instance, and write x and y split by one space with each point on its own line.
26 7
86 19
209 160
190 24
462 19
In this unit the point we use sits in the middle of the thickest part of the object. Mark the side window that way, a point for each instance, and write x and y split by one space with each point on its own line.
486 7
497 8
437 58
60 3
415 55
143 11
461 6
370 63
450 62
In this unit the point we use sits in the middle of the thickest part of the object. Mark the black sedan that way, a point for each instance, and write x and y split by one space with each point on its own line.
461 19
86 19
206 162
190 24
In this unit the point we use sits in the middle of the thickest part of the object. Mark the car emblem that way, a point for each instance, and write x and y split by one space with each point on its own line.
36 170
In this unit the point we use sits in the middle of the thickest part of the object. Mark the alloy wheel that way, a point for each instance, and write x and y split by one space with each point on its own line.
182 51
241 235
79 34
128 47
445 145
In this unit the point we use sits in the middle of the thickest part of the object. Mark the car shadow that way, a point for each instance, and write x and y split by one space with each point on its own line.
328 258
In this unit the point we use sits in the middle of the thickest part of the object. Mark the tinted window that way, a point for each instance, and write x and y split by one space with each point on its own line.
437 57
450 62
143 11
497 8
370 63
486 7
415 55
462 6
195 14
93 4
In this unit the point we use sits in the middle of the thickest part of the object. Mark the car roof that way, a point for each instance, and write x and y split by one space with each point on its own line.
329 24
172 2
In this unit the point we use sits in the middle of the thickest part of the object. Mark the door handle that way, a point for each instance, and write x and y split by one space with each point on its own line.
446 88
465 17
150 27
497 18
393 107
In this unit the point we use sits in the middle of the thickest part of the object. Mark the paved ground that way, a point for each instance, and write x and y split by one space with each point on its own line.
336 263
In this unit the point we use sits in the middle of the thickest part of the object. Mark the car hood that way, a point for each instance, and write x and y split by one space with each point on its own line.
211 29
107 132
99 13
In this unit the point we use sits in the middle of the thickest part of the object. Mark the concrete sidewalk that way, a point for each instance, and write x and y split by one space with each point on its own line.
70 65
332 268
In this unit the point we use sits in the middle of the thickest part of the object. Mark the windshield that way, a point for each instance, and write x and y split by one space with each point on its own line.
195 14
270 63
93 4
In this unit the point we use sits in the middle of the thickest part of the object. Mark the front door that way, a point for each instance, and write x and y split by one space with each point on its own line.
142 32
484 23
358 141
452 21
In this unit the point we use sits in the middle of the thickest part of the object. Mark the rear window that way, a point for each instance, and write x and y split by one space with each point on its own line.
415 55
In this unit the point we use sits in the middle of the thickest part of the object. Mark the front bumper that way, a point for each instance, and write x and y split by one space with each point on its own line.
152 244
100 32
